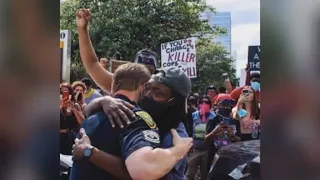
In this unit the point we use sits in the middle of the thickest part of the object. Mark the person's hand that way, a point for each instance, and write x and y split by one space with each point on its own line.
64 103
82 18
224 75
183 144
117 110
80 145
68 104
243 98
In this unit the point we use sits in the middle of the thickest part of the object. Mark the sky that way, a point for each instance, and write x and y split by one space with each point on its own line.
245 26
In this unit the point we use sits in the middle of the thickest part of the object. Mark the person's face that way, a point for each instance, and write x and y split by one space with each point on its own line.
157 91
150 68
212 92
64 89
204 101
196 95
248 92
78 89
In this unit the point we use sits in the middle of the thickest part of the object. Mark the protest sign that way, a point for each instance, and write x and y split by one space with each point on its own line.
181 54
65 50
254 58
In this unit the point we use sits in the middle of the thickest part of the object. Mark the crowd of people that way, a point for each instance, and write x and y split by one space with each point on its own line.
145 123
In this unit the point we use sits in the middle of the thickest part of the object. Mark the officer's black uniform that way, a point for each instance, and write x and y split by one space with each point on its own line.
141 132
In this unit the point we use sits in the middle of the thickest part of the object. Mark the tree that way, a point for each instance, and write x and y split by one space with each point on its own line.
212 62
122 27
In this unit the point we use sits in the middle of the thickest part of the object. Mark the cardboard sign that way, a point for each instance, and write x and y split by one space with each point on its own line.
181 54
254 58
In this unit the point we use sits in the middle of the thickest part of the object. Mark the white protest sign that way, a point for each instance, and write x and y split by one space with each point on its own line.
181 54
65 52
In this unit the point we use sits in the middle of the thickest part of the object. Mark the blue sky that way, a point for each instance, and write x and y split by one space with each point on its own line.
245 27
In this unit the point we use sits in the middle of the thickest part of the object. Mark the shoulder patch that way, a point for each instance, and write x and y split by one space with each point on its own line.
147 118
151 136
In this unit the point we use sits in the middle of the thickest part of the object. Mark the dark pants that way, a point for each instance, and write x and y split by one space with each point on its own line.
197 158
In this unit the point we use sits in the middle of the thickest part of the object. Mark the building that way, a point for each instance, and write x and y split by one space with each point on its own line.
222 20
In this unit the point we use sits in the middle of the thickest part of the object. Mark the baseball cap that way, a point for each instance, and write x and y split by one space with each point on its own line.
147 56
175 79
87 81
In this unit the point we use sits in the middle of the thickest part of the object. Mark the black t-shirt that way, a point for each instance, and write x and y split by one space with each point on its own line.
68 122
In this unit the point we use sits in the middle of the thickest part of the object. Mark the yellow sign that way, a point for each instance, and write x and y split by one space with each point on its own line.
147 118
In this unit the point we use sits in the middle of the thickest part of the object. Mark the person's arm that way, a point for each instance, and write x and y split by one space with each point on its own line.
78 113
143 159
99 75
211 124
228 85
247 76
112 164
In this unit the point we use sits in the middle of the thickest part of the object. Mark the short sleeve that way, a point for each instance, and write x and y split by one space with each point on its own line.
141 132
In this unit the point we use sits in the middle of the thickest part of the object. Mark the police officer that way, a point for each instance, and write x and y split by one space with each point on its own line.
97 154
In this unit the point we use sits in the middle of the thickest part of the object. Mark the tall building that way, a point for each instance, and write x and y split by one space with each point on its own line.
222 20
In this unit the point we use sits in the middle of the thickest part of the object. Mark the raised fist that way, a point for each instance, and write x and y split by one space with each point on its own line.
83 17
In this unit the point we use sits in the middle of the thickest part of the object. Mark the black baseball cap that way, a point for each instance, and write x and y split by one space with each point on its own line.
87 81
146 56
175 79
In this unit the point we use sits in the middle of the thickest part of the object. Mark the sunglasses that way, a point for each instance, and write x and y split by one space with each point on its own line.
204 101
247 92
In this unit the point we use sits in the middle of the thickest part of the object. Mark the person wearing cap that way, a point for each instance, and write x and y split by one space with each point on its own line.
199 154
90 93
90 61
223 118
212 92
164 99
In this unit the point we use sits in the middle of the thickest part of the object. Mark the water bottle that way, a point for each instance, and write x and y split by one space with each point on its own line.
255 131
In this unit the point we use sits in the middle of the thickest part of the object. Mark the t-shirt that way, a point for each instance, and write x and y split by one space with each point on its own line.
235 94
91 95
140 133
199 130
178 172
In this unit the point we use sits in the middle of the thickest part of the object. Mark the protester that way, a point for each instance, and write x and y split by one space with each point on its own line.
222 90
174 97
215 135
199 154
79 88
90 93
248 113
192 107
71 118
212 92
253 81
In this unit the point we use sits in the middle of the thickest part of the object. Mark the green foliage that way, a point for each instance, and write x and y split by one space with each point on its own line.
212 62
121 28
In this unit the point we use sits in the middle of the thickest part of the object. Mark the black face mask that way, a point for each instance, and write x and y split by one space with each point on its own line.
153 107
160 113
224 112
